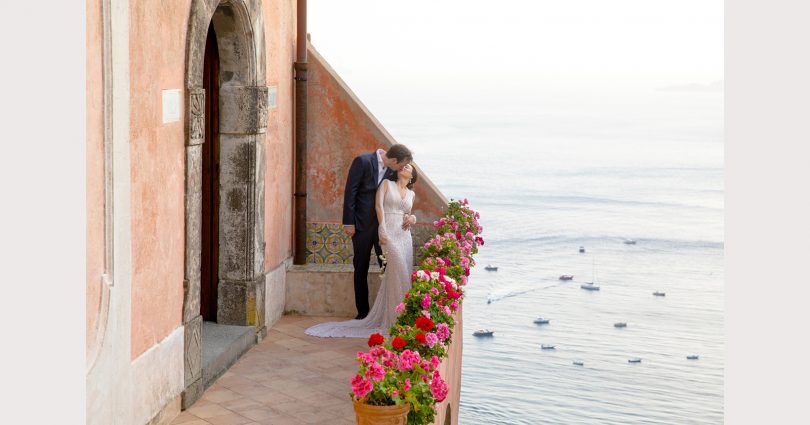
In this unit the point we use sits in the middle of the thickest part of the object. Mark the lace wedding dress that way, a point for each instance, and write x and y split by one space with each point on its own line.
395 282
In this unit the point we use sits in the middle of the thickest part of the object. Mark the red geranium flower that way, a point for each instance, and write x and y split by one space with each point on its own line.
424 324
420 338
375 339
398 343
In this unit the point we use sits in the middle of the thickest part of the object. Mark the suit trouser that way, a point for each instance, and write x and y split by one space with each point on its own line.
362 242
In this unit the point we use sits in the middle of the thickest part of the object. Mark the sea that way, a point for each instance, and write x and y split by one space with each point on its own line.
556 173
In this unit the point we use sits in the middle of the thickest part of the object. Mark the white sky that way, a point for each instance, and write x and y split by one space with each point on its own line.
543 45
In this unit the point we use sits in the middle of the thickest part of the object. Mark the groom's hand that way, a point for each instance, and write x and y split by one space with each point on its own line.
349 229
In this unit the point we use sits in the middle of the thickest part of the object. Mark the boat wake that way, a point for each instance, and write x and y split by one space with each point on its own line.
491 298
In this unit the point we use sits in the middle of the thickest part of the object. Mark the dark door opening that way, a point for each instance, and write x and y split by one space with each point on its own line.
209 278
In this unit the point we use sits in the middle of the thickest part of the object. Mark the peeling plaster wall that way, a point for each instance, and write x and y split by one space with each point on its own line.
157 62
279 26
94 170
339 128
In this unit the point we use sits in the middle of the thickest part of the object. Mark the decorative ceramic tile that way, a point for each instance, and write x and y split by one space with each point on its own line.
327 243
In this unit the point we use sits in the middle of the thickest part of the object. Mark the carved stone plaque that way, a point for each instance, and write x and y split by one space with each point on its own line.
196 116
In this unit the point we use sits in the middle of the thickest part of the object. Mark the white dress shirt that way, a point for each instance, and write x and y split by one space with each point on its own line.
381 168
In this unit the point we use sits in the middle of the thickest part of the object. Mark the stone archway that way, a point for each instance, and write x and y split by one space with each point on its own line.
242 123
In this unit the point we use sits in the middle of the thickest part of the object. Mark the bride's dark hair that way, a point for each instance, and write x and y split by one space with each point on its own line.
414 176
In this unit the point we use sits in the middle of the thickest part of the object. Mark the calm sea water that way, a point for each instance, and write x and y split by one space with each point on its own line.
548 179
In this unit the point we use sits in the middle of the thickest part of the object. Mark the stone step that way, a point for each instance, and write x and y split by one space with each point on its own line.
222 346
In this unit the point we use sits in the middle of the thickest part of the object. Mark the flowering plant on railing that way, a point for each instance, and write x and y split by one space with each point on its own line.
389 375
425 323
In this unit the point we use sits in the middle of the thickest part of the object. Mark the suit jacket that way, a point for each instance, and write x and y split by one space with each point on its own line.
360 193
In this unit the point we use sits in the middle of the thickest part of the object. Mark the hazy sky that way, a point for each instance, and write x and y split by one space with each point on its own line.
564 45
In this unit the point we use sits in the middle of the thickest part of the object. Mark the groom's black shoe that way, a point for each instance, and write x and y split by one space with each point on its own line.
360 316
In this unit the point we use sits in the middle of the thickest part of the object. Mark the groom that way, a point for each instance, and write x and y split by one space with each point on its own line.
359 214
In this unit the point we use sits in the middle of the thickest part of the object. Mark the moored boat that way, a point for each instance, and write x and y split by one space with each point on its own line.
547 346
566 277
491 268
620 325
483 332
634 360
659 294
541 321
692 357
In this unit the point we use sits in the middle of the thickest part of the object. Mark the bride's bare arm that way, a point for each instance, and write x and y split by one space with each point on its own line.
381 212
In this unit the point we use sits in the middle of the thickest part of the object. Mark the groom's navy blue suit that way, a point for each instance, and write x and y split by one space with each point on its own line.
359 210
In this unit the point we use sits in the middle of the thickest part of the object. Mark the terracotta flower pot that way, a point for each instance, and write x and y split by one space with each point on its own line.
366 414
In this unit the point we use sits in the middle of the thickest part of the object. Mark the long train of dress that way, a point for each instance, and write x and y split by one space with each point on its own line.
396 280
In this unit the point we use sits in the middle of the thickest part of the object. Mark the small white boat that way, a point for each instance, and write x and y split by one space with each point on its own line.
629 242
659 294
547 346
491 268
582 249
634 360
620 325
692 357
566 277
483 332
579 363
589 286
541 321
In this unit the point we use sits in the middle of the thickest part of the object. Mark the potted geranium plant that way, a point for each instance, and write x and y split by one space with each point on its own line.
390 382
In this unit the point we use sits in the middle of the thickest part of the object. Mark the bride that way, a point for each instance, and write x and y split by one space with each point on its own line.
394 203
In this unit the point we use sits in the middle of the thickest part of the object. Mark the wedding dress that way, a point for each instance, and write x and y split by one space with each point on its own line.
396 281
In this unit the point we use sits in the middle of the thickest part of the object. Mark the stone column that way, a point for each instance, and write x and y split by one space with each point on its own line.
243 121
192 320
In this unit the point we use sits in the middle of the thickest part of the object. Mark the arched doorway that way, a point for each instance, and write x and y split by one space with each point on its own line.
209 240
224 191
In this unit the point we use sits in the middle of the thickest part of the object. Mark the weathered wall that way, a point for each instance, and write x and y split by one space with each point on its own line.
157 62
450 370
94 168
340 127
325 290
279 27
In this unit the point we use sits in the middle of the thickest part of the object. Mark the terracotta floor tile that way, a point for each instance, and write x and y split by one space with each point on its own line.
259 413
196 422
184 418
220 395
273 398
208 410
229 419
241 403
289 378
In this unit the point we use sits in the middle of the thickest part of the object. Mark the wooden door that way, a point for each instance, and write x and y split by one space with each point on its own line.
210 182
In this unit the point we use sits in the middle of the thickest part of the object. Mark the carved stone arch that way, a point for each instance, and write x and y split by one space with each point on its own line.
243 120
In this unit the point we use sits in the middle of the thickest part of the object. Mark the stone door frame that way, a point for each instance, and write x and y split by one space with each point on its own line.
243 121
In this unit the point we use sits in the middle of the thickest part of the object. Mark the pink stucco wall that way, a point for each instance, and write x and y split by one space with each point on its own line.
94 167
157 61
280 27
339 127
158 31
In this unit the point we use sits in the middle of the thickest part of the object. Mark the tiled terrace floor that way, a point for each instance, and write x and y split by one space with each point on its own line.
289 378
